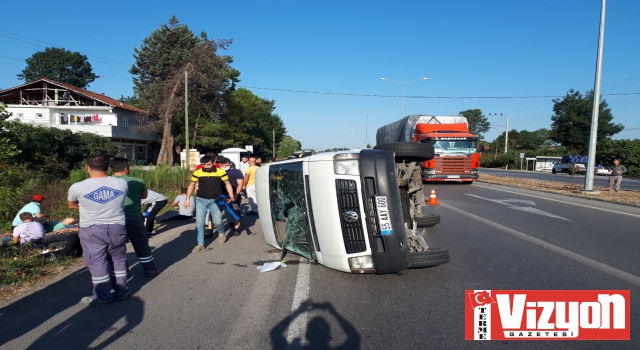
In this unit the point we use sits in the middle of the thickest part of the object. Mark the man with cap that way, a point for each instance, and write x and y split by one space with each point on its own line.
100 200
32 207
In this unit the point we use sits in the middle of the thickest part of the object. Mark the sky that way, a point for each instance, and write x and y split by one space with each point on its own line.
334 52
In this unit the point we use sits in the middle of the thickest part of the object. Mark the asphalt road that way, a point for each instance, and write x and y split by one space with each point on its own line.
498 238
631 184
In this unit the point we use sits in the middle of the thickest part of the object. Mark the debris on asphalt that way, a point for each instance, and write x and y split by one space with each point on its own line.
271 266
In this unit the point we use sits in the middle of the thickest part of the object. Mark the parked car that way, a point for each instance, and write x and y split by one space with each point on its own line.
600 170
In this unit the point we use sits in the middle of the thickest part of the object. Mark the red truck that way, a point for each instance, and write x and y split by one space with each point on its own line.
455 148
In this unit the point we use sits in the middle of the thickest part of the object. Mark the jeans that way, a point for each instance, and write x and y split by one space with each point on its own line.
202 205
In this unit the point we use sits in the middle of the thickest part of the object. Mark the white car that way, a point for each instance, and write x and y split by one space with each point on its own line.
600 170
345 211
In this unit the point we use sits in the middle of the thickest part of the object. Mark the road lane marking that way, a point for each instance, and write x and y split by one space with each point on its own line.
298 326
525 209
554 248
561 201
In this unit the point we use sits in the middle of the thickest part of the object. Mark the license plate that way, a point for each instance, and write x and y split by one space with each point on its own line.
453 177
383 215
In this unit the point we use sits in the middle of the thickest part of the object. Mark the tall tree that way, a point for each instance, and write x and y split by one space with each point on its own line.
60 65
571 122
159 77
524 140
478 123
287 146
247 120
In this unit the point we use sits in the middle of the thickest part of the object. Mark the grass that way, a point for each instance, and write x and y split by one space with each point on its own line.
624 196
24 263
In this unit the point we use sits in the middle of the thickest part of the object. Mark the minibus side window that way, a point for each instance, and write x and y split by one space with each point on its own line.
289 211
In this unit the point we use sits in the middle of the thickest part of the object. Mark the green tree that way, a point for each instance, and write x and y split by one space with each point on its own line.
247 120
478 123
524 140
8 148
571 122
287 146
159 72
60 65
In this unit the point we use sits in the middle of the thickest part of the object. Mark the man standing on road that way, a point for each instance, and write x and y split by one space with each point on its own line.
102 232
244 163
209 180
237 183
617 170
250 186
136 231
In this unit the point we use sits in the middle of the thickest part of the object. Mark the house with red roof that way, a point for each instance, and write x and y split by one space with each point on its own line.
50 103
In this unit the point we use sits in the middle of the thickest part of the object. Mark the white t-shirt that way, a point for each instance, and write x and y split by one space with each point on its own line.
152 197
29 231
243 166
186 211
101 200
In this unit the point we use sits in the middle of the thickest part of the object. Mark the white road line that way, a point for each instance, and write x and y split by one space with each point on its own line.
554 248
561 201
298 326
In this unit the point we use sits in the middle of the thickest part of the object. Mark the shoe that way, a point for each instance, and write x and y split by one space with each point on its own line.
124 296
222 238
91 301
236 232
607 189
150 272
615 190
197 248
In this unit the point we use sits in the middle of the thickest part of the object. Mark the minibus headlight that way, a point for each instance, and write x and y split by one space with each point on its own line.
346 167
361 264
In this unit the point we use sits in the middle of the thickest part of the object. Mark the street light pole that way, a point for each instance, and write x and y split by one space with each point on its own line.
402 97
588 180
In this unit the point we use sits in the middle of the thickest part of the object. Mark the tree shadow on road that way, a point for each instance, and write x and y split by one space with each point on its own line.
318 334
32 311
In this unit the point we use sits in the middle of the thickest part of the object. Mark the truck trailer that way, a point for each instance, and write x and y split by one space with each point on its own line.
456 150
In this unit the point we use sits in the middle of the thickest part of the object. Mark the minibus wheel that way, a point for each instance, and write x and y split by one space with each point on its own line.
427 220
428 258
409 151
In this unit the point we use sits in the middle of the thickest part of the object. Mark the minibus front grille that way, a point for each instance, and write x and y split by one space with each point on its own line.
348 204
370 206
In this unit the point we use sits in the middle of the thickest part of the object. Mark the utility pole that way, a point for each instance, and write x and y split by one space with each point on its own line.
273 152
187 152
506 136
506 133
588 180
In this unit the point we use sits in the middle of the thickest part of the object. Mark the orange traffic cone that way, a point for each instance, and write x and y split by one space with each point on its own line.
432 198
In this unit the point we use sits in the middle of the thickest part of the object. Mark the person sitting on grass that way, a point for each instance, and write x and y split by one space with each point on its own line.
183 213
32 207
28 231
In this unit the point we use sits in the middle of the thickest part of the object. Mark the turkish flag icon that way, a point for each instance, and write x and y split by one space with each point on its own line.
480 299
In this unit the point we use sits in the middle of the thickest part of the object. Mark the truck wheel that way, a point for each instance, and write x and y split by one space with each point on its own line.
428 258
427 220
409 151
553 171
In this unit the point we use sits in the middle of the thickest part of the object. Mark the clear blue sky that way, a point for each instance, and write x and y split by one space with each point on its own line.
465 48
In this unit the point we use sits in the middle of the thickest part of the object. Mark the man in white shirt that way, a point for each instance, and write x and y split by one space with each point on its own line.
244 164
152 205
28 230
184 213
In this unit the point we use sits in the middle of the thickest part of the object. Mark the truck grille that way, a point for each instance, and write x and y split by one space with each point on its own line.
453 165
352 232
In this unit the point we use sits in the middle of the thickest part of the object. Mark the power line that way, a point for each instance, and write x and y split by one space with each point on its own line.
119 65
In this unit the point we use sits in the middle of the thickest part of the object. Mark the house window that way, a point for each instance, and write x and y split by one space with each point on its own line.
20 115
125 121
38 115
64 119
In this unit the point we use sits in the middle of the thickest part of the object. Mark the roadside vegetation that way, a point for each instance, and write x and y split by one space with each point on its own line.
623 196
